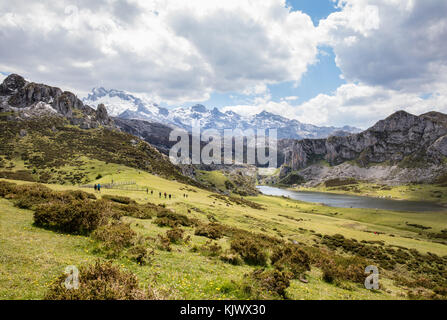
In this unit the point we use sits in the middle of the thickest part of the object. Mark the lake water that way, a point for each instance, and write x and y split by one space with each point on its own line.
351 201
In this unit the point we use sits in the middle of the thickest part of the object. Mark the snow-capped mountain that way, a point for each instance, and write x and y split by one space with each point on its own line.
120 103
127 106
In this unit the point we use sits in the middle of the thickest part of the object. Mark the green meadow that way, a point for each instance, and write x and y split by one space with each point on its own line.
31 258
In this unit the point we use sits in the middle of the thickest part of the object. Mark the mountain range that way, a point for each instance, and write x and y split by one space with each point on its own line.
125 105
402 148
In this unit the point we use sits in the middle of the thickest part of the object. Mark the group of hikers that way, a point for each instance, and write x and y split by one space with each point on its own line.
97 187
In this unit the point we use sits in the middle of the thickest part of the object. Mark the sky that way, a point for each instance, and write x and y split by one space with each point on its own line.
324 62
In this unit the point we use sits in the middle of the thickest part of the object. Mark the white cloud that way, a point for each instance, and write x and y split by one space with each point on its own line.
176 51
397 44
352 104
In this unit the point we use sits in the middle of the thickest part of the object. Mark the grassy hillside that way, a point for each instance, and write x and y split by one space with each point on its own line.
49 150
32 257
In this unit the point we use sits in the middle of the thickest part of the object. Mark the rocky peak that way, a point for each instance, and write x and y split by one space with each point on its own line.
12 83
33 99
101 114
199 108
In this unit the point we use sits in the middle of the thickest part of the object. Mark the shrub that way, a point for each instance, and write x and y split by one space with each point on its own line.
140 254
250 251
175 235
341 268
265 284
211 231
76 216
210 248
31 195
28 196
135 211
164 243
114 237
171 219
100 281
6 188
231 258
165 222
291 259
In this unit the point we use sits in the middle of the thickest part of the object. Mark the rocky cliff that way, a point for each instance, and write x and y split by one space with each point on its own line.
403 141
29 99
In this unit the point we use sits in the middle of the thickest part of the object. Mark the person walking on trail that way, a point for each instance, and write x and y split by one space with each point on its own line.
159 194
169 197
152 192
147 190
96 187
165 195
99 187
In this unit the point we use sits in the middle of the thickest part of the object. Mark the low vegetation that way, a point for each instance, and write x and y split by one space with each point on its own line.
214 246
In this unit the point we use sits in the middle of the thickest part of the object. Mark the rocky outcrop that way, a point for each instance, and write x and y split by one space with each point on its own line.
31 99
400 137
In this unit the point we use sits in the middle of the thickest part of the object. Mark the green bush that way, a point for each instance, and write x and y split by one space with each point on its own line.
6 188
29 196
291 259
114 237
211 231
266 284
168 218
141 254
341 268
135 211
175 235
210 248
75 216
164 243
100 281
231 258
250 251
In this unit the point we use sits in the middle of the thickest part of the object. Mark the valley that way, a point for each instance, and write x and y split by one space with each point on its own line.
161 231
32 257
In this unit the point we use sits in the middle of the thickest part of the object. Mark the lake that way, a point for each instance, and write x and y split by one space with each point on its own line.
352 201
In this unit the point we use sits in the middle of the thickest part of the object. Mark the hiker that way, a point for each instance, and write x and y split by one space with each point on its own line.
159 194
99 187
147 190
169 197
96 187
165 195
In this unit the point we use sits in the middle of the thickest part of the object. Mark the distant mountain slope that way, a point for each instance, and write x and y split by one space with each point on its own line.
403 148
126 106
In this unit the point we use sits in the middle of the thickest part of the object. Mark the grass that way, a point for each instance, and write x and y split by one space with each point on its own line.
31 257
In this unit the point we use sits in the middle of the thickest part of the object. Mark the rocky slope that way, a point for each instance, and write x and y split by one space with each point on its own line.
401 148
29 99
